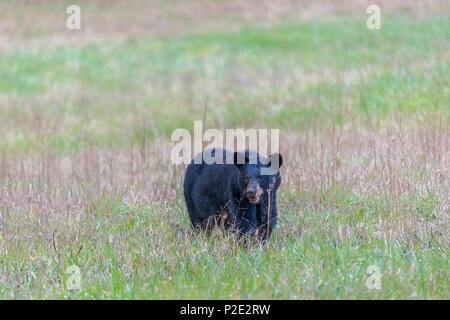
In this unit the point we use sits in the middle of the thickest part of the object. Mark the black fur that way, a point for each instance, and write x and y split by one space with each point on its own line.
215 191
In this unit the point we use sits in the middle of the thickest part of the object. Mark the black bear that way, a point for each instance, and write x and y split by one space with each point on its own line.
240 193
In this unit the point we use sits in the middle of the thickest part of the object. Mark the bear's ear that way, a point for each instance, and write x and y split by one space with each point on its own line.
276 157
240 159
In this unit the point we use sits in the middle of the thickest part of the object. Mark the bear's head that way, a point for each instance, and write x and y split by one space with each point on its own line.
258 175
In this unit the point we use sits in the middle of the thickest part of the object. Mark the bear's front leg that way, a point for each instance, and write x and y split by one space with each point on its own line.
267 218
232 218
249 222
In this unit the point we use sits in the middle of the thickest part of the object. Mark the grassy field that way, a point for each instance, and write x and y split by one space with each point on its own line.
86 118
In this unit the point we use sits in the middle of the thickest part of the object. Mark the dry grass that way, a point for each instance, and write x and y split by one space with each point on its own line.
396 163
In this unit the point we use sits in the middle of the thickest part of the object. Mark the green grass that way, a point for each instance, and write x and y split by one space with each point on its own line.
140 255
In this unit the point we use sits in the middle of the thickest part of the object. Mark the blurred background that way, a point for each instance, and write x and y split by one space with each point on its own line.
284 64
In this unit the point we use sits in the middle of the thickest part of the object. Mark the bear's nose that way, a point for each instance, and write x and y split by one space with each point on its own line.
250 193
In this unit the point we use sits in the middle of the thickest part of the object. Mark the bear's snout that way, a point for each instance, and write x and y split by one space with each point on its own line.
253 192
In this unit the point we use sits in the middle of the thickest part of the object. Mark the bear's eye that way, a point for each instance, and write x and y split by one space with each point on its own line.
260 178
247 179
